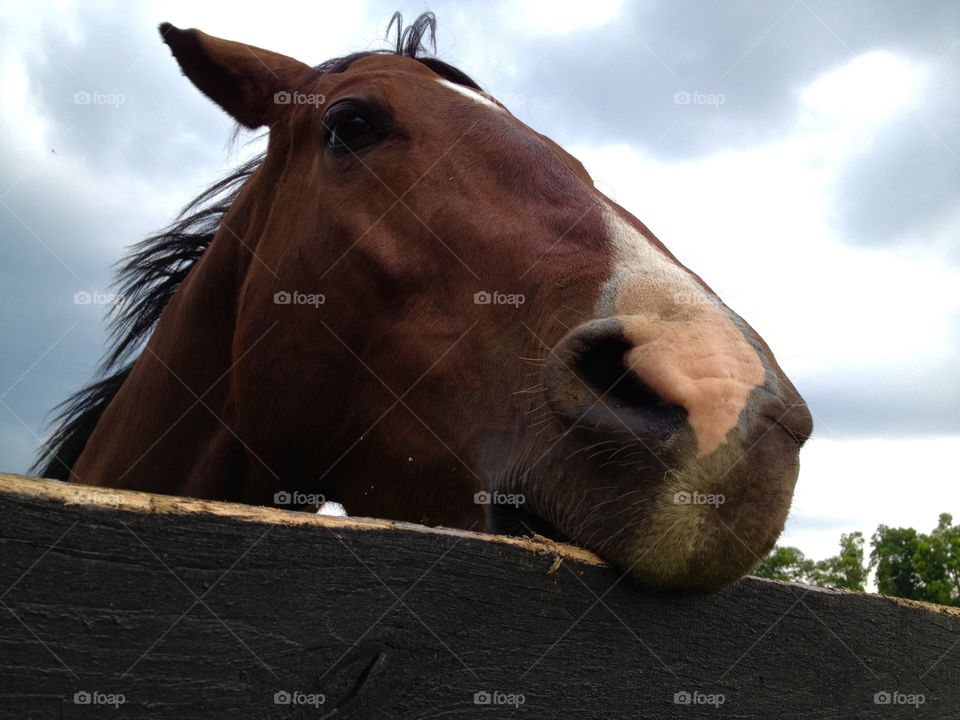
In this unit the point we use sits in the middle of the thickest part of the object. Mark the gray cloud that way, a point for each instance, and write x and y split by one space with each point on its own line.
611 84
919 401
37 287
911 175
117 99
626 82
162 135
617 82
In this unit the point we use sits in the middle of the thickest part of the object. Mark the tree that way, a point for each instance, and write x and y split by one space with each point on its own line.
908 564
893 553
933 562
785 563
945 552
845 570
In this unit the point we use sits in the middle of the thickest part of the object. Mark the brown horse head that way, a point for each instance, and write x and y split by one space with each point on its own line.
421 308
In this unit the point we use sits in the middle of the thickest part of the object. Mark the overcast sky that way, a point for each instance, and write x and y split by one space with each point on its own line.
802 156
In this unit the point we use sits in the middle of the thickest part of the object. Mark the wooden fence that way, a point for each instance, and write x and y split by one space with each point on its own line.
119 604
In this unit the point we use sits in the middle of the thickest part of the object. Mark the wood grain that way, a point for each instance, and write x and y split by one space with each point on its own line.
190 609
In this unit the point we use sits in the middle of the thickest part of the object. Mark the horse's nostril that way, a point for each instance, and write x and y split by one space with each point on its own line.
589 384
601 364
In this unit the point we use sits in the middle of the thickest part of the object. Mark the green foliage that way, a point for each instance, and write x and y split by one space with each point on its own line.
784 563
919 566
892 556
907 563
845 570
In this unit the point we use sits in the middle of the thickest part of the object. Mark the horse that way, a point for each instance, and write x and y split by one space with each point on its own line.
417 306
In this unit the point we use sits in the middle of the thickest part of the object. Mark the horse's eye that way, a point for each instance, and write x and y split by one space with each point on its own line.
349 128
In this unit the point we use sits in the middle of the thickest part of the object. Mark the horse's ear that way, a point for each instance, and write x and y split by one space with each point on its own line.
241 79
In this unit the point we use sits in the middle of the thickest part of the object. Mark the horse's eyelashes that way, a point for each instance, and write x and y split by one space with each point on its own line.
350 127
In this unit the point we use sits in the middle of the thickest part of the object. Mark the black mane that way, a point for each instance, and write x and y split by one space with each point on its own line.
409 43
156 267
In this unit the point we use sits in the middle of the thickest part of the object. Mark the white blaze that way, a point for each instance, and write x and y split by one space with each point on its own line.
477 97
684 346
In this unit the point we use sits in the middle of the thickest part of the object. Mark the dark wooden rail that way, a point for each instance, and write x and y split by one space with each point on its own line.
119 604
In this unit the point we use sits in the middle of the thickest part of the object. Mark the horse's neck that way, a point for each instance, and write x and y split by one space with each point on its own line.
168 419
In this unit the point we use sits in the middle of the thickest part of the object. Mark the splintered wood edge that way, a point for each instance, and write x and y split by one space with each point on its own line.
948 610
73 494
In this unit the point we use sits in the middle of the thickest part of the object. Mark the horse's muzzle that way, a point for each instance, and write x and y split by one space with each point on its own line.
598 380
